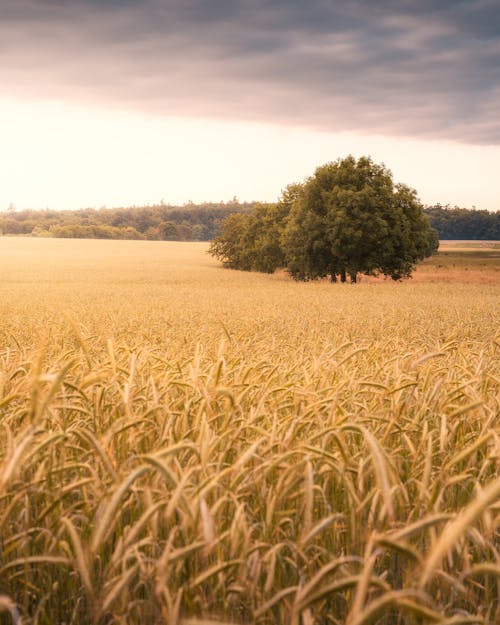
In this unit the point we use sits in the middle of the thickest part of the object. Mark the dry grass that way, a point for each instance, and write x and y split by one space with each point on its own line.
469 245
458 262
186 444
463 265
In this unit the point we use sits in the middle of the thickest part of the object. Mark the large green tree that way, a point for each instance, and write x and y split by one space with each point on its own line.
349 218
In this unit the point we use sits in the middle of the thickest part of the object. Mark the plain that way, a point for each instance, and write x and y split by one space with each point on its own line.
182 442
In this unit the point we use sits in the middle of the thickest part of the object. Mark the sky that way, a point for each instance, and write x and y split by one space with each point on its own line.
130 102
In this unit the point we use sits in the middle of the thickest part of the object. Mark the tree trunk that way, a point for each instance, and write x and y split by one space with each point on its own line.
354 277
343 275
333 277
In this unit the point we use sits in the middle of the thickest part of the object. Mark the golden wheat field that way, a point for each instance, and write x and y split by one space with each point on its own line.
182 444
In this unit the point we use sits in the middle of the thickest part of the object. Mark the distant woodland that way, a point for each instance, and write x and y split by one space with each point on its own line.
161 222
464 224
201 222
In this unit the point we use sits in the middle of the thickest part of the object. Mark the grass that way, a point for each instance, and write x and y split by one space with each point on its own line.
459 262
462 264
469 245
184 444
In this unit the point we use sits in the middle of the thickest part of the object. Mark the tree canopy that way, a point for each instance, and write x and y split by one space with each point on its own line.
349 218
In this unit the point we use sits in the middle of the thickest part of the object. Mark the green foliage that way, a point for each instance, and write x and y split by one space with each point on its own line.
89 232
351 218
432 243
229 245
346 219
462 224
190 222
252 241
167 231
410 237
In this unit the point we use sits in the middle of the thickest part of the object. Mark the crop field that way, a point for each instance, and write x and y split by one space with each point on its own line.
182 444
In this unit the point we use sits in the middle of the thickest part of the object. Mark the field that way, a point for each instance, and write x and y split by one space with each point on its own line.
182 444
463 262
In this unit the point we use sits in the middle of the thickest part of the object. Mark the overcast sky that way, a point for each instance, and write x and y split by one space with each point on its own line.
120 102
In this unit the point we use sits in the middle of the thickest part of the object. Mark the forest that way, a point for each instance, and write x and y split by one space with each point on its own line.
158 222
456 223
201 222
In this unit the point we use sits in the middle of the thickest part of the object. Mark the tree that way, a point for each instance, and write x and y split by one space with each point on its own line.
262 239
167 231
228 246
350 218
252 241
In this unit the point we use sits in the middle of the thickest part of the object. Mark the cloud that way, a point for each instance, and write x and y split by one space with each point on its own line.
428 68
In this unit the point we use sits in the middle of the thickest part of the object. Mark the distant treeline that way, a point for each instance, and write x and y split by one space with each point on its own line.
461 223
201 222
163 222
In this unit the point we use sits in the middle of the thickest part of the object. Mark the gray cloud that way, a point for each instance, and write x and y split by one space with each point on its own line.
428 68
